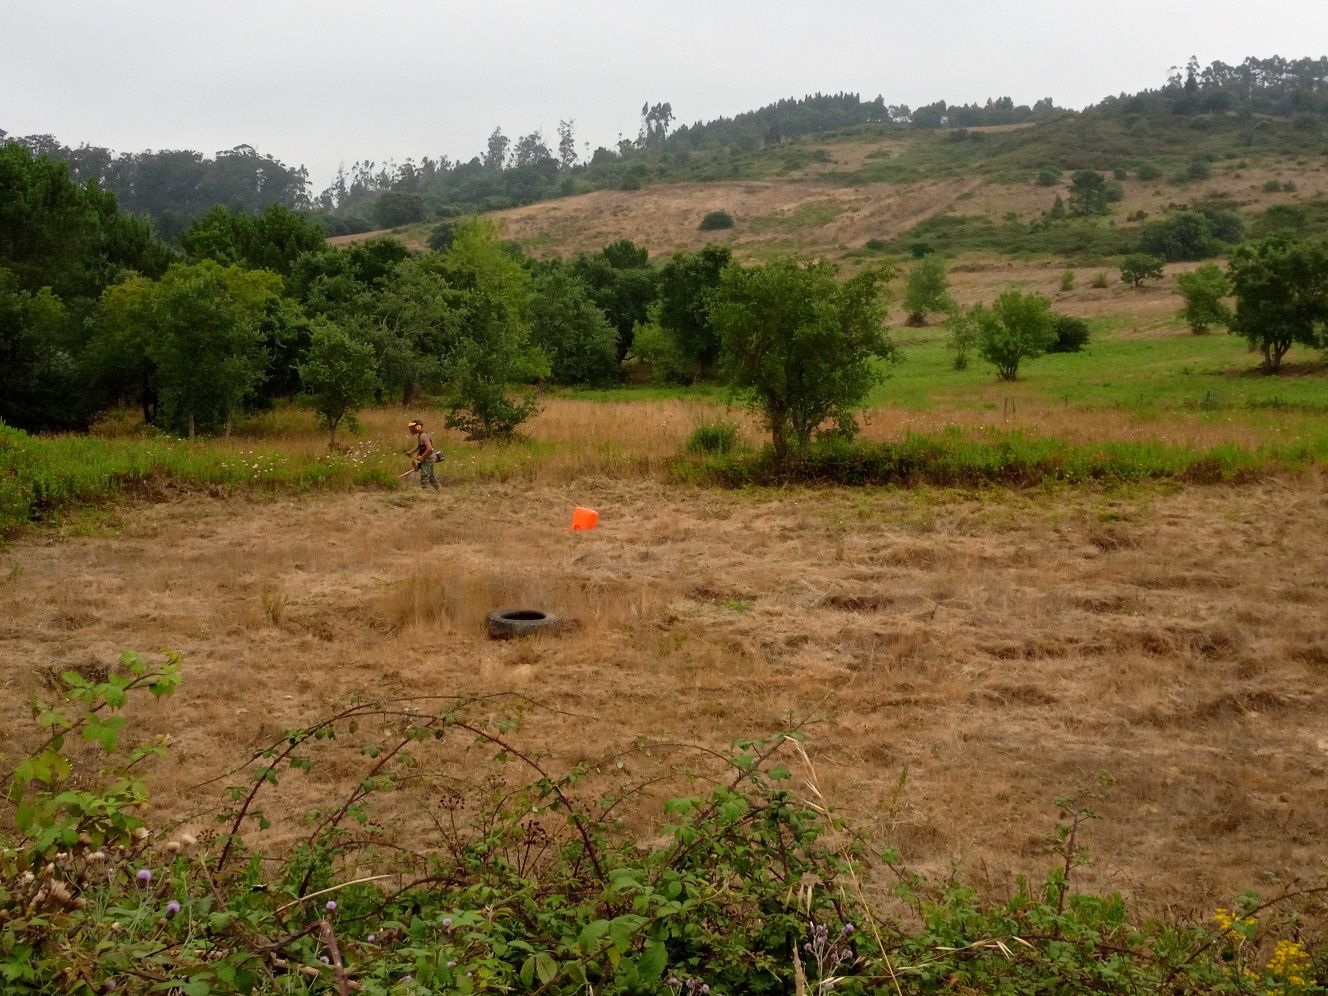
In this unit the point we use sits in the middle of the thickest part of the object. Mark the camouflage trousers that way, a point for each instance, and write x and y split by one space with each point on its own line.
427 477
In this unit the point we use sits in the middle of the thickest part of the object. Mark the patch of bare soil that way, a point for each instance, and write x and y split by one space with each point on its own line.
961 660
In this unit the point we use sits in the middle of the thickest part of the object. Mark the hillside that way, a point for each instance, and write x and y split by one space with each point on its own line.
868 190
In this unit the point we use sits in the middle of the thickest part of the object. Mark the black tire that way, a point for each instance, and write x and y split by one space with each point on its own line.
511 624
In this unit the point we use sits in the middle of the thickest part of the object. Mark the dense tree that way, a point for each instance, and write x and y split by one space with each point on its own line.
1281 290
1015 328
686 282
412 318
622 284
926 289
394 208
173 187
116 363
39 378
1203 290
801 346
578 339
206 341
73 239
339 375
491 345
271 241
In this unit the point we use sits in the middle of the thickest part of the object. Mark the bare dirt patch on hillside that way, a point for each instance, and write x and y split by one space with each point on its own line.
985 652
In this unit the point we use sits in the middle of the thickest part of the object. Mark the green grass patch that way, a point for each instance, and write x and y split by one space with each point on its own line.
810 215
1139 371
40 477
955 459
1087 242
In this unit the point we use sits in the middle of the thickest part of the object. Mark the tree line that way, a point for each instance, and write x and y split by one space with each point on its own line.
96 312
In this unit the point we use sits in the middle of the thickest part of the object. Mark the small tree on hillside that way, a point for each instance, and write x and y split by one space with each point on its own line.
1015 328
926 289
1203 290
1138 267
799 345
1281 288
1088 193
339 374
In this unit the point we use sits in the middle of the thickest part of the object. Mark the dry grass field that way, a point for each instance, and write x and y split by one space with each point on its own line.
959 659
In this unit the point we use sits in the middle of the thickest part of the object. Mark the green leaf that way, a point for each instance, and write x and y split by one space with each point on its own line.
591 934
527 972
545 968
651 963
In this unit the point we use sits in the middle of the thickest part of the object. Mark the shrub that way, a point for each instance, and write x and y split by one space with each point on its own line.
1148 172
441 237
1197 170
1067 281
1272 186
1071 334
1203 290
1120 173
716 220
1048 176
1100 280
713 437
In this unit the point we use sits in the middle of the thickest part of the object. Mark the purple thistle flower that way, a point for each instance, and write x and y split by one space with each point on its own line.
144 875
325 959
451 964
371 938
331 905
110 986
447 922
172 908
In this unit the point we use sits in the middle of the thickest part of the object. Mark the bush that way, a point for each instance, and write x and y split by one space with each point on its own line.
1048 176
1071 334
1197 170
528 887
1148 172
442 236
1099 280
716 220
1067 281
713 437
1203 290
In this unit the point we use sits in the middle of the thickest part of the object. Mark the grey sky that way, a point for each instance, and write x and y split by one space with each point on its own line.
323 82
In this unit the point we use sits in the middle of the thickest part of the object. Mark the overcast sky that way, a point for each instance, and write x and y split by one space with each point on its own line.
323 82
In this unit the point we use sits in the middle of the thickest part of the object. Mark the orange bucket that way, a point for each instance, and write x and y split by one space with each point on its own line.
584 518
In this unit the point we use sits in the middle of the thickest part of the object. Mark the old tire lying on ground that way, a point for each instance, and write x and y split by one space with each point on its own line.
510 624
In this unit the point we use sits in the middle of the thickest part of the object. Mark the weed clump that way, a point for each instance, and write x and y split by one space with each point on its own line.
713 437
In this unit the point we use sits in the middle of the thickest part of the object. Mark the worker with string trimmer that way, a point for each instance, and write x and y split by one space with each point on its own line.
423 456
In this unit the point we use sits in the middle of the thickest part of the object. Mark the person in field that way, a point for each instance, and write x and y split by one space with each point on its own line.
424 456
